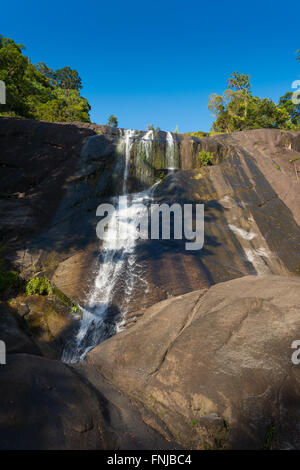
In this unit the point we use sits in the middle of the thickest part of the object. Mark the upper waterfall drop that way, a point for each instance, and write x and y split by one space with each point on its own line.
129 139
118 271
172 151
147 140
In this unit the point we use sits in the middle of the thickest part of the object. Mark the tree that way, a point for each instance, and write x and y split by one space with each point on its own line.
49 73
68 79
24 84
62 78
64 106
292 109
38 91
112 121
239 81
237 109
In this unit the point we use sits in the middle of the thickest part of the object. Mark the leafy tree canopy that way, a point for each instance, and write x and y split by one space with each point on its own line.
39 92
62 78
237 109
112 121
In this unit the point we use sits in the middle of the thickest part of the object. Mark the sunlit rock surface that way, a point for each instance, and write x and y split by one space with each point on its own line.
212 368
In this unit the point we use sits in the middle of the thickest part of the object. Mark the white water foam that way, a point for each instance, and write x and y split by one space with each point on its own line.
256 258
146 141
117 266
241 232
172 152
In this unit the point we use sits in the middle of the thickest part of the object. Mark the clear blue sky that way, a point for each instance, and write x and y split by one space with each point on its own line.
158 62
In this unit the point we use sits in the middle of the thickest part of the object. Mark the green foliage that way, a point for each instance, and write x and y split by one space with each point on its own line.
62 78
112 121
239 81
237 109
9 279
64 106
205 158
39 92
39 285
292 109
270 438
156 131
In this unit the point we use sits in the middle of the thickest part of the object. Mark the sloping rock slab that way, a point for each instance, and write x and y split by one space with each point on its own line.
12 332
215 365
45 405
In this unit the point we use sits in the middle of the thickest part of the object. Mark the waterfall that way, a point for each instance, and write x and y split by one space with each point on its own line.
172 152
117 269
129 137
147 143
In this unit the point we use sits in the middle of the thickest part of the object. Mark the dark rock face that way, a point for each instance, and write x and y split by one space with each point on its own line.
251 214
208 369
49 194
215 365
45 405
50 322
36 158
59 177
13 334
62 172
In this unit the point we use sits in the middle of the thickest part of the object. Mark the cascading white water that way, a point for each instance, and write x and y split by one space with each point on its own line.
172 152
147 143
129 136
118 266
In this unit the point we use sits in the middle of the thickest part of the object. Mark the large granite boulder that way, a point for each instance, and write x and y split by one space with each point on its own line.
45 405
48 405
215 365
13 332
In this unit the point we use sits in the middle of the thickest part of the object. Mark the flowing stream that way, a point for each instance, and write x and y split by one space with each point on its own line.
117 268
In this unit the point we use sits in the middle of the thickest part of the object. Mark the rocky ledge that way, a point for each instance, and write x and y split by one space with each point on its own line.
216 374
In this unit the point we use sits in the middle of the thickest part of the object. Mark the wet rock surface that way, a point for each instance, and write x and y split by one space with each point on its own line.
209 367
50 322
60 173
217 373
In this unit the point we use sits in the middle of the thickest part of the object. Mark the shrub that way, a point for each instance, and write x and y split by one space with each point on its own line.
112 121
39 285
205 158
9 279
